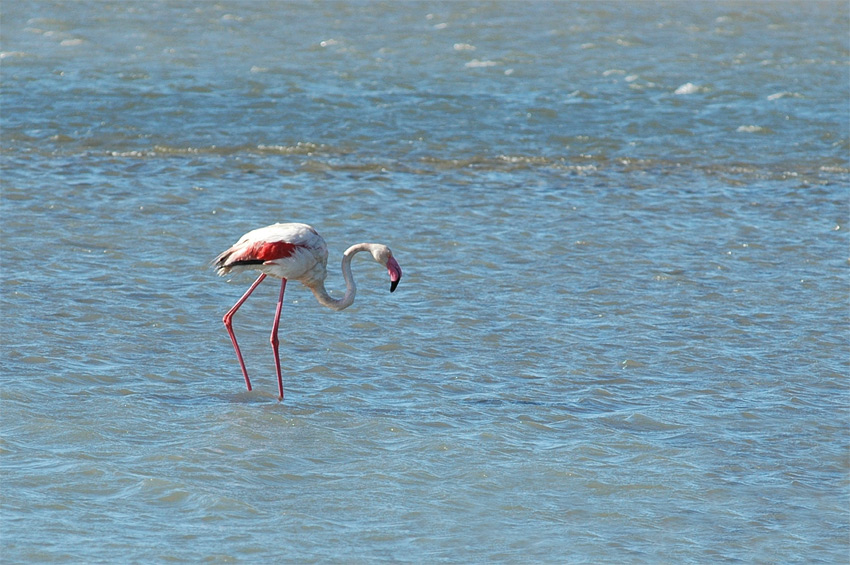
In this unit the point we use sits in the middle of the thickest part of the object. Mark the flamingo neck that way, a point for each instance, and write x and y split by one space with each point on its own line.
321 293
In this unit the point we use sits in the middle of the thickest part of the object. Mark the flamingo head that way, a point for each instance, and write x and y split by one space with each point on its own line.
383 255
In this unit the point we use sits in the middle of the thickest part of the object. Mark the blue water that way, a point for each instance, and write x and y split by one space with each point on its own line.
621 335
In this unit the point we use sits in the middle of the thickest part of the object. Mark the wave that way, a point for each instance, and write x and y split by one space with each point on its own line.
327 157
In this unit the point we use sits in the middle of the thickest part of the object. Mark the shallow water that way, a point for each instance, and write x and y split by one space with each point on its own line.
621 335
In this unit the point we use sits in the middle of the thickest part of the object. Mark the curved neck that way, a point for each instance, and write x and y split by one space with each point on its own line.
350 288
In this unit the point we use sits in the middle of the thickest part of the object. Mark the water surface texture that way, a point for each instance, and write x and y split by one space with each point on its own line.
621 335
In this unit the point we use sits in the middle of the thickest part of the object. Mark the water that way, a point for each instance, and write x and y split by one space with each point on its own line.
621 335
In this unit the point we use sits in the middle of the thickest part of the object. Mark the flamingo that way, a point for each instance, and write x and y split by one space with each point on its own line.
293 251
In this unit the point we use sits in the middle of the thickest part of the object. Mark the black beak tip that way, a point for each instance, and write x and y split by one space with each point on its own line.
393 285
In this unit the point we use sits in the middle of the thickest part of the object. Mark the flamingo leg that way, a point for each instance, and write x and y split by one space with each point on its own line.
228 323
274 341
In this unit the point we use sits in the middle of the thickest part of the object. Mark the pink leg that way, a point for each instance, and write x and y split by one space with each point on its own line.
274 341
228 323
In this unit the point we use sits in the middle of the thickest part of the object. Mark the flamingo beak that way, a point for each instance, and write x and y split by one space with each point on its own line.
395 273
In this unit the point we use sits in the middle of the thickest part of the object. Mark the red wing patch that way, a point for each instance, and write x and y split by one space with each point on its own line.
263 251
271 250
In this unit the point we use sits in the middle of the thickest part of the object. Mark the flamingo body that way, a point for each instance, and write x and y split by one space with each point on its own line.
293 252
284 251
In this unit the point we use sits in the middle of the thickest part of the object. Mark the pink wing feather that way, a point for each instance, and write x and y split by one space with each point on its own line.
263 251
